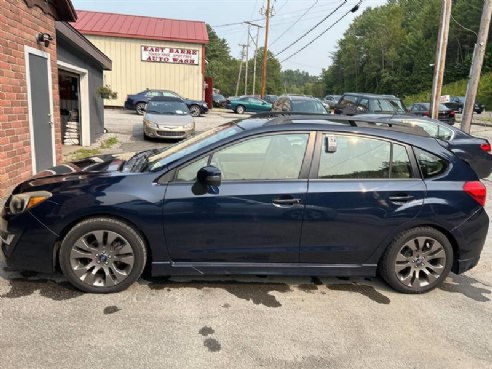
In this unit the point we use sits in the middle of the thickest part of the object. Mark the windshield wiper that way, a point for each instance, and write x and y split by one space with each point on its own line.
139 162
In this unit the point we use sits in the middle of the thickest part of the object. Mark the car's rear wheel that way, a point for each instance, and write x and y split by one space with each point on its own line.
195 111
417 261
140 108
240 109
102 255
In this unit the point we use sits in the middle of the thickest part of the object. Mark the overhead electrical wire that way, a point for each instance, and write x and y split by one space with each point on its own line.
353 10
312 28
298 19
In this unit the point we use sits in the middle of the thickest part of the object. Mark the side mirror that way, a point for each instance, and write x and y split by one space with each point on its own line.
209 176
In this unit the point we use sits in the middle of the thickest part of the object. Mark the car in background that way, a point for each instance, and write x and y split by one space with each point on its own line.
325 105
299 104
138 101
167 117
365 103
446 115
289 195
248 104
332 100
456 103
476 151
219 101
270 98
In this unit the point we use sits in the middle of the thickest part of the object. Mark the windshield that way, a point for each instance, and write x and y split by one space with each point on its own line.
183 148
386 106
167 107
308 106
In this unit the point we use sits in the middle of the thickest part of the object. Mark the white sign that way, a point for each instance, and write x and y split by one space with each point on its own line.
173 55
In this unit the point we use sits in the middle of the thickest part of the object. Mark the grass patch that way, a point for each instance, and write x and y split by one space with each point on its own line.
83 153
110 142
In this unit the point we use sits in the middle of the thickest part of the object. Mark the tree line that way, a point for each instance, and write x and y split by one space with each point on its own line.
391 49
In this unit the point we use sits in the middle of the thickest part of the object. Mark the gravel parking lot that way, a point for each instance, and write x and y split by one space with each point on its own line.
239 322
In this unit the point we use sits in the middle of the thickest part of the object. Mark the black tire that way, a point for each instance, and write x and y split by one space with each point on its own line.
107 225
195 111
387 266
140 108
240 109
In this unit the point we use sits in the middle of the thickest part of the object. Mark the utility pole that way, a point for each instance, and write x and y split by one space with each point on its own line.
247 62
476 68
265 50
440 62
240 67
256 50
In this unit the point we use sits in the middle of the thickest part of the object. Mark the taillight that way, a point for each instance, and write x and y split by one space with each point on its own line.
426 114
486 147
452 113
477 191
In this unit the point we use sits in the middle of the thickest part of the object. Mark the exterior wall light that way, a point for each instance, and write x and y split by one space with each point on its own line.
44 38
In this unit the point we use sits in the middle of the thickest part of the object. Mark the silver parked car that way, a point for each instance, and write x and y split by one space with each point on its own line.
168 117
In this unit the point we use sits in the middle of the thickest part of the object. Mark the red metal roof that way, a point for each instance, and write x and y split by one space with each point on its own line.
148 28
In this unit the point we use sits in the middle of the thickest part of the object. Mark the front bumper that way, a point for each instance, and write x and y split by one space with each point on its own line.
169 133
129 105
26 243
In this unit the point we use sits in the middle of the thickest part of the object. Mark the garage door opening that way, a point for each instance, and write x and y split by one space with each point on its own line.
69 86
73 85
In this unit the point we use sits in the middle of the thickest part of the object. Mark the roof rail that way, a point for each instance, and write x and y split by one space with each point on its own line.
354 121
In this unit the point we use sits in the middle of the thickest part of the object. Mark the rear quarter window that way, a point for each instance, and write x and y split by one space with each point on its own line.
430 165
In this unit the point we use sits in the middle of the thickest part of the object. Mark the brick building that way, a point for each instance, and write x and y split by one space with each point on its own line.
39 52
23 52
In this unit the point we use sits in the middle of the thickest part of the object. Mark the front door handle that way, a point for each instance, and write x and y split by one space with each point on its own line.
286 201
401 198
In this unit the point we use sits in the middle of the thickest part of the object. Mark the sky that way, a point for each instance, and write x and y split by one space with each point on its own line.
291 19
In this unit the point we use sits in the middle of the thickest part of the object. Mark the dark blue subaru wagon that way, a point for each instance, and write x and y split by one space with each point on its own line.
274 194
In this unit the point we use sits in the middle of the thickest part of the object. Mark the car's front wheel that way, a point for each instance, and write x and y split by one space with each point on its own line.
240 109
195 111
102 255
417 261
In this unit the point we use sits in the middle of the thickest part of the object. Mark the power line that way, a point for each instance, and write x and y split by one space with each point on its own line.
298 19
353 10
312 28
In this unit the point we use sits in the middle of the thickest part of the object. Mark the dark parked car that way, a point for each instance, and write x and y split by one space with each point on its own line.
305 195
446 115
219 101
362 103
477 152
299 104
248 104
138 102
456 103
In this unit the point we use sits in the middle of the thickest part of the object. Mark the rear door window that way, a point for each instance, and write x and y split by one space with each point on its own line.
362 158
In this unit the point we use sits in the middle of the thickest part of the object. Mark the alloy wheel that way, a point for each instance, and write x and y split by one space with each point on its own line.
420 262
195 111
102 258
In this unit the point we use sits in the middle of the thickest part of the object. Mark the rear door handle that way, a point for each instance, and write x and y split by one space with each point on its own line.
401 198
284 200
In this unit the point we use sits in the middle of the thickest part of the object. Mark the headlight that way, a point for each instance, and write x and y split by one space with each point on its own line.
189 125
205 105
150 124
24 201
